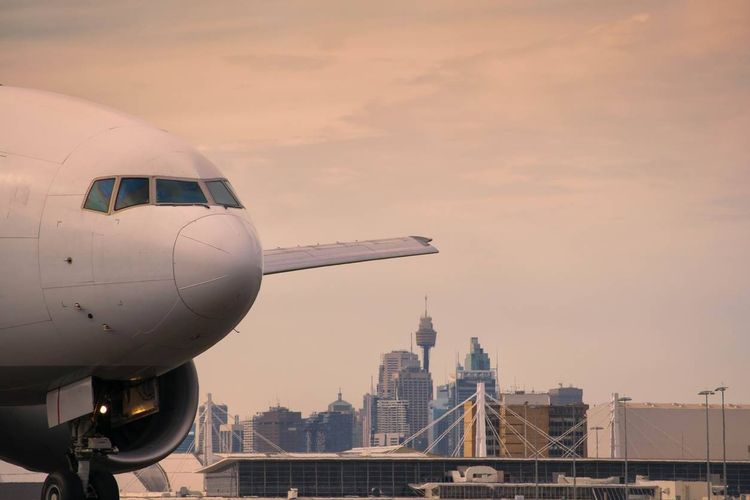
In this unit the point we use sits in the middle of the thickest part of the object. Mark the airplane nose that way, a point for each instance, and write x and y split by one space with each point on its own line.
218 266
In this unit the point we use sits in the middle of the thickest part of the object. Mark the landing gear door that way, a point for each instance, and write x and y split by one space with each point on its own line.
69 402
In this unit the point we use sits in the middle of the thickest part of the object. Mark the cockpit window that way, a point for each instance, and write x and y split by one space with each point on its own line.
222 194
179 192
99 195
132 191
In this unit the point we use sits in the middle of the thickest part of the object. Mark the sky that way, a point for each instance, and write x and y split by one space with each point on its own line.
583 167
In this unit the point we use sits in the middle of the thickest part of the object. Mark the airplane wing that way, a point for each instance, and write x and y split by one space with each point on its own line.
283 260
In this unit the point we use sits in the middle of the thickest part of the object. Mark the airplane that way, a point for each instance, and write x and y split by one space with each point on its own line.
124 254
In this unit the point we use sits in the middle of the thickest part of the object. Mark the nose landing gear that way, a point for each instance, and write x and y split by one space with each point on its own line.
66 485
80 482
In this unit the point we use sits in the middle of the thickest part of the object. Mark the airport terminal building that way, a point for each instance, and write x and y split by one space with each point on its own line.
401 474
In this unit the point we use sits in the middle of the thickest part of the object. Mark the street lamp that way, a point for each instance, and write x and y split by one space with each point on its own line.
722 389
624 400
596 430
708 455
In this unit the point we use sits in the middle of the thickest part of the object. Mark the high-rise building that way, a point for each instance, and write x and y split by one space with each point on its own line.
476 358
566 411
414 386
369 418
231 436
340 405
404 386
524 429
477 369
390 364
439 424
332 430
426 336
545 421
188 444
393 417
248 436
280 426
210 418
329 431
358 429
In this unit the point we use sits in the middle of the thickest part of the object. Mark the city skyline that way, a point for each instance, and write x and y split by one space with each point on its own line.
581 167
462 358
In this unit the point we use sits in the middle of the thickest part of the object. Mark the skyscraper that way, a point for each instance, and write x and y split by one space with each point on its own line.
477 369
390 364
248 435
476 358
188 444
281 427
328 432
426 336
439 407
332 430
414 386
392 417
369 418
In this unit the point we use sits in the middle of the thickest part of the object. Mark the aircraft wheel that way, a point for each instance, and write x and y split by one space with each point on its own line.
104 485
62 486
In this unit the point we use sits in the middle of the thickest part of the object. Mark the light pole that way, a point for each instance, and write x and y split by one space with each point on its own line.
596 430
624 400
722 389
708 455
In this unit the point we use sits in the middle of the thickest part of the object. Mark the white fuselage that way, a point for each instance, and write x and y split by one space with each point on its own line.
124 294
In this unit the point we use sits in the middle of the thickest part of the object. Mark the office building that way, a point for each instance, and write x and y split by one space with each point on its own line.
231 437
328 432
248 436
392 417
476 369
567 411
340 406
332 430
390 364
369 418
188 444
278 429
414 386
524 428
439 424
358 429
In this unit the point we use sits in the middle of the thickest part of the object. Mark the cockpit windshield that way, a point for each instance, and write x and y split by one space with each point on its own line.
222 194
170 191
99 195
132 191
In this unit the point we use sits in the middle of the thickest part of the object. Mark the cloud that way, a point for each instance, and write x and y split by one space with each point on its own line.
575 165
282 62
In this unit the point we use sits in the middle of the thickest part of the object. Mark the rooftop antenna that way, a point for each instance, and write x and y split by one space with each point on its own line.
425 305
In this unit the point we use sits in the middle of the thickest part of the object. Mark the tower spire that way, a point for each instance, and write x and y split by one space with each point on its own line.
426 336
